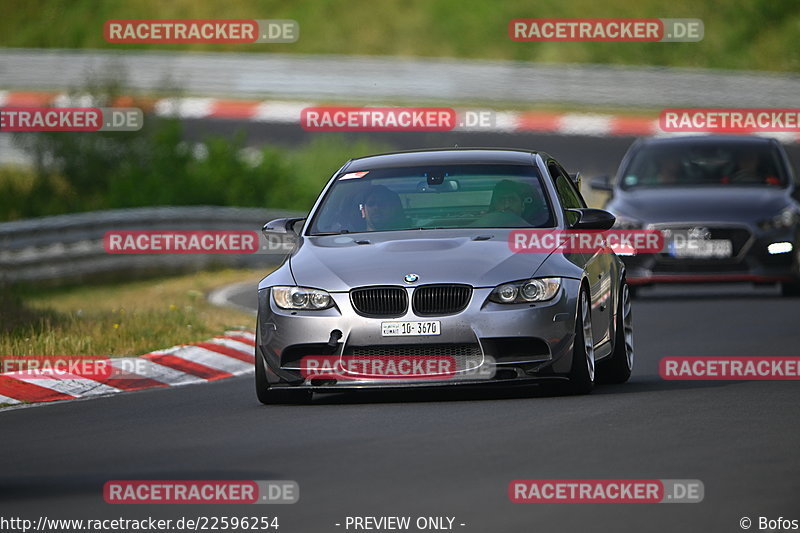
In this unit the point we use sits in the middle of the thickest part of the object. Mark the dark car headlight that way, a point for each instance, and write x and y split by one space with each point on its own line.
787 218
301 298
526 291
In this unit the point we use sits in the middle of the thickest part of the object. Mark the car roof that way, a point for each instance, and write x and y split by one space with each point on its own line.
444 156
706 139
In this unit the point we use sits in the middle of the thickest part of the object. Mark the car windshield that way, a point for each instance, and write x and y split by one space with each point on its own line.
729 163
451 196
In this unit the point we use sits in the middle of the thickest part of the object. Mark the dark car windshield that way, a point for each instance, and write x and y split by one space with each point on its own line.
452 196
703 163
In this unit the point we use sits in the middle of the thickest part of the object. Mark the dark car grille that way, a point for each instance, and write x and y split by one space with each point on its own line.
379 301
441 299
738 236
465 356
416 350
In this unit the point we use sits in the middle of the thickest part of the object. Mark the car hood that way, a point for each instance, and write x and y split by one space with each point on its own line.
700 204
480 259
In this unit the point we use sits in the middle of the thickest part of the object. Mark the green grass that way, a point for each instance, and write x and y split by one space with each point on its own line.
739 34
120 319
87 175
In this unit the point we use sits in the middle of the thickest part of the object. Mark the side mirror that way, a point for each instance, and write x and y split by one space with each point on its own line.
592 219
281 236
601 183
280 225
576 179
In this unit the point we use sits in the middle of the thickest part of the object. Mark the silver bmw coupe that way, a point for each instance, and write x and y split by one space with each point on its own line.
404 275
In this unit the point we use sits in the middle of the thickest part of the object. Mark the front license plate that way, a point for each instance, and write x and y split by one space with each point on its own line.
714 248
410 329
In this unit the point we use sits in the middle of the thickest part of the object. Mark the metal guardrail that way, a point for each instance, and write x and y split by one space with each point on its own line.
333 77
70 247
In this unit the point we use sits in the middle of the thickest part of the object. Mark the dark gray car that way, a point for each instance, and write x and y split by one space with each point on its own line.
403 276
727 206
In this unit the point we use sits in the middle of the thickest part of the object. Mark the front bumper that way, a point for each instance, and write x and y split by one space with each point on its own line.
522 342
750 262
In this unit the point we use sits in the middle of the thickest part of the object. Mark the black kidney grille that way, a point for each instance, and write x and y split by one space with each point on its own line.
431 300
379 301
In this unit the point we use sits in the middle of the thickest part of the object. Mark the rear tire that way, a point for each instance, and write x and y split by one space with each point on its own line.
618 367
581 375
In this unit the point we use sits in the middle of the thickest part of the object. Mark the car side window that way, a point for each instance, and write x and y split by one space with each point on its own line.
567 195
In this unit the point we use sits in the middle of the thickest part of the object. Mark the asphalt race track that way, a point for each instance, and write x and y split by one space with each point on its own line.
591 155
452 453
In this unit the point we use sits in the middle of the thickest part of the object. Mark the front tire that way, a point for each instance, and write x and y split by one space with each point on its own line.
272 396
790 289
618 367
581 375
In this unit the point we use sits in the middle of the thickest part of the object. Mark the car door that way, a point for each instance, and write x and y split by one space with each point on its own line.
597 264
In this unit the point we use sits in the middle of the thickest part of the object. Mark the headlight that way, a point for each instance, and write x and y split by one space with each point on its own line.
520 292
785 219
624 222
301 298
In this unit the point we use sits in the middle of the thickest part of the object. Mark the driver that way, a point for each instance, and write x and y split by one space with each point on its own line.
383 210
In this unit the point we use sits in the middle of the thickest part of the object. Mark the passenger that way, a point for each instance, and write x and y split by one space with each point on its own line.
508 203
747 168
